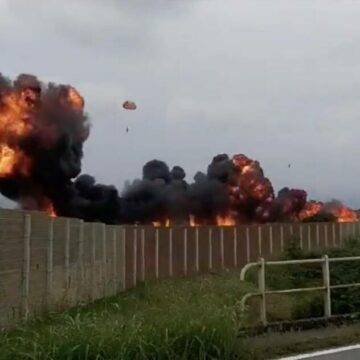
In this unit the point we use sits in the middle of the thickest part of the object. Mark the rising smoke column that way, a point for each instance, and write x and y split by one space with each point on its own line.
42 131
161 194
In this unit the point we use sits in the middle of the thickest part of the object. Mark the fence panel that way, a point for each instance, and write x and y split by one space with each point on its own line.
58 262
11 267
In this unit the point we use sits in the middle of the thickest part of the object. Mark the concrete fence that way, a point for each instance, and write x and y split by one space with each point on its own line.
53 263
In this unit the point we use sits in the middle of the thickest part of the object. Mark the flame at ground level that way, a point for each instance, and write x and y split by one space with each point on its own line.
340 213
346 215
49 209
225 221
166 223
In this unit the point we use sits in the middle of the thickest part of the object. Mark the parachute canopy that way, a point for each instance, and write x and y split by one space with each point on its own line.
129 105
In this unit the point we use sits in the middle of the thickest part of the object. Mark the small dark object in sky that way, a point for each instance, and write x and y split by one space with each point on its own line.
129 105
127 129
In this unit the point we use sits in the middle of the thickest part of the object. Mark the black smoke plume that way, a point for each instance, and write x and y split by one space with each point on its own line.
42 131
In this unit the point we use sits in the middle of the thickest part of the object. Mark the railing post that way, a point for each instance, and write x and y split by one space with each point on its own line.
261 284
326 284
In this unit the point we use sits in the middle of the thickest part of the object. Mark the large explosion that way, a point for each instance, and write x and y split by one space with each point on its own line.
42 131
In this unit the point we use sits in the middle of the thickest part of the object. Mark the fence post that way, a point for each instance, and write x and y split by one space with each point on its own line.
261 284
340 234
123 257
326 284
260 240
135 257
222 254
185 251
104 258
67 254
353 229
114 264
210 249
49 263
291 230
326 235
235 248
80 260
25 268
197 265
142 254
317 235
309 236
157 253
270 239
248 255
282 238
93 262
170 252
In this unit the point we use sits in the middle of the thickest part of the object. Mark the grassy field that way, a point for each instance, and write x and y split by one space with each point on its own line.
180 319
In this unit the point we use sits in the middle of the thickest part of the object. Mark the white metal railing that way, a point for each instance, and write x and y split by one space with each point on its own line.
326 286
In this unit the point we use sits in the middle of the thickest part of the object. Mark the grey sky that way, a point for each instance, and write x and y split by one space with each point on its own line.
277 80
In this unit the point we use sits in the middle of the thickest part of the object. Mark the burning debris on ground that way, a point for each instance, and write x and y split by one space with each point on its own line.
42 131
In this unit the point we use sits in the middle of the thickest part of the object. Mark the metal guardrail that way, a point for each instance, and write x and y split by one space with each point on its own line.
326 286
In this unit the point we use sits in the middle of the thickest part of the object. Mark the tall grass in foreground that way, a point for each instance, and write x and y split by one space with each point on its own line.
194 319
181 319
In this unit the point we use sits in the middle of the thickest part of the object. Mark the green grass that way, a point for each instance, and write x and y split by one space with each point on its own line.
181 319
195 319
306 275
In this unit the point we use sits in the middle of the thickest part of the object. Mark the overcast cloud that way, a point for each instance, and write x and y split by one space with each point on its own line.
277 80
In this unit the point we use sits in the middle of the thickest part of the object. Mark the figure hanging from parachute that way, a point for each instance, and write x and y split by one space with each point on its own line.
129 105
